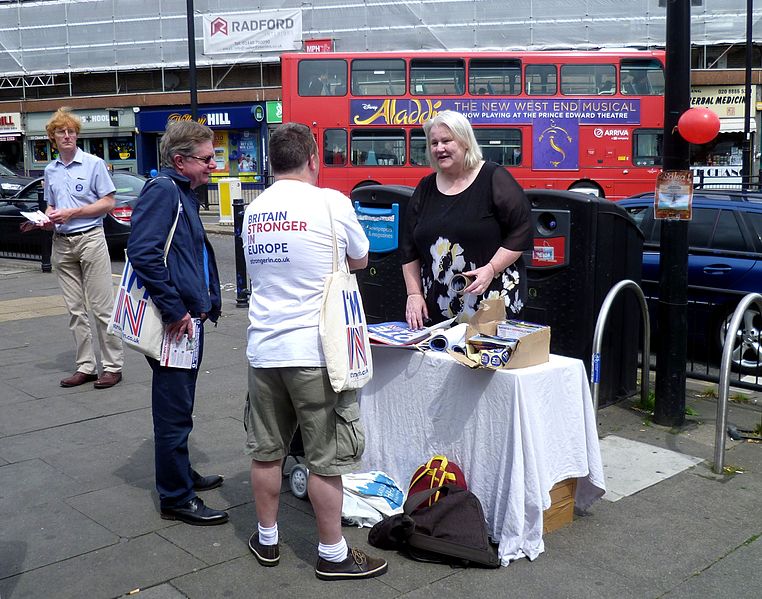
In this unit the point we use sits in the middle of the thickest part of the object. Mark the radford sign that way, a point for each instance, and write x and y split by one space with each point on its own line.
260 31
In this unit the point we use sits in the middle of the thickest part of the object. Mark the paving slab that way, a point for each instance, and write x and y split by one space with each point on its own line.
30 416
630 466
109 572
37 536
734 571
42 483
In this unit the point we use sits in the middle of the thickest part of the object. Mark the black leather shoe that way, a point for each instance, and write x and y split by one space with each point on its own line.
196 513
207 483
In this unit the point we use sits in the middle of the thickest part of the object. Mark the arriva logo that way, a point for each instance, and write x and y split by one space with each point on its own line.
219 25
614 133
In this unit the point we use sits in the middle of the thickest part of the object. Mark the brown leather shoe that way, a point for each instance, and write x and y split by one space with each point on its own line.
108 379
77 379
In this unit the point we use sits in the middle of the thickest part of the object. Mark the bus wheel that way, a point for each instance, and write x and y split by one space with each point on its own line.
587 187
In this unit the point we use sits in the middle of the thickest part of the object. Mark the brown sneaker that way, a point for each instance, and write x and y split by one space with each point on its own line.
267 555
356 565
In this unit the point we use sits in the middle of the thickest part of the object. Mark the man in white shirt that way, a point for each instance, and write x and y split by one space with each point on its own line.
79 192
288 248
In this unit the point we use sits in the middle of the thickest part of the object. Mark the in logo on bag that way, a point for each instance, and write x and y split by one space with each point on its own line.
130 311
356 346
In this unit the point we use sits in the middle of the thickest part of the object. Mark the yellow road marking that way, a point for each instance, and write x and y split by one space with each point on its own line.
32 307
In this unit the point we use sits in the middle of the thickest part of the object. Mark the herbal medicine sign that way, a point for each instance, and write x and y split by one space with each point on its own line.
674 195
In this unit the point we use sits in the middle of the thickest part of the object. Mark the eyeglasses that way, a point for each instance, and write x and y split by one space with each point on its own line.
64 132
204 159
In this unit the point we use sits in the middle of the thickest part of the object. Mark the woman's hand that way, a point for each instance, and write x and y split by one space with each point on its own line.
415 311
181 327
482 279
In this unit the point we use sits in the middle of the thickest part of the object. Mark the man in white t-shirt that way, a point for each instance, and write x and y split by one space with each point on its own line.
287 244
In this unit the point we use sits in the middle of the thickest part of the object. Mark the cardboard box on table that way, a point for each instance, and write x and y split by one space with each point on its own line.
531 349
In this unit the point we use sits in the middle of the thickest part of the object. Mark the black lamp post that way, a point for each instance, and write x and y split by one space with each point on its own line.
192 60
746 149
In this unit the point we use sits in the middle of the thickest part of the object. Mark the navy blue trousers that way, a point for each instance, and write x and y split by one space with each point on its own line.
173 392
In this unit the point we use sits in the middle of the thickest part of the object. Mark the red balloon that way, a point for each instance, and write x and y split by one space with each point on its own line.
698 125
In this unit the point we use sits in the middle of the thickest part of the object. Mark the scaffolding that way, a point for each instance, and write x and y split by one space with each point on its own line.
45 41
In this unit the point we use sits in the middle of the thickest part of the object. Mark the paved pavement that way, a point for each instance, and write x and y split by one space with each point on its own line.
78 512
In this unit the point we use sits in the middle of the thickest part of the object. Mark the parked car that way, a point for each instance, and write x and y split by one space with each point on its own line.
10 182
724 264
116 224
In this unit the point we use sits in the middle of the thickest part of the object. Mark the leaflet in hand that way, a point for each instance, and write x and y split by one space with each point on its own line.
183 353
37 217
398 333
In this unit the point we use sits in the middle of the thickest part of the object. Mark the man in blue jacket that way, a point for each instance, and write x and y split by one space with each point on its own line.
187 292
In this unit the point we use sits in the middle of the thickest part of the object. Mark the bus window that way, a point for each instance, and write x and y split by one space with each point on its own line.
378 77
335 147
445 77
647 147
500 145
642 77
322 77
418 148
540 79
494 77
588 79
377 147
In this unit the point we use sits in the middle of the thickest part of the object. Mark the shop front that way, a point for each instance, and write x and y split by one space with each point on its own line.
11 142
240 138
107 133
720 161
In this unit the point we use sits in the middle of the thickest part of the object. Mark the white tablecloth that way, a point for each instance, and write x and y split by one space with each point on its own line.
515 433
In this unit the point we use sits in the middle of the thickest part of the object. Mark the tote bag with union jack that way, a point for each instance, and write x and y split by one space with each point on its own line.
343 328
135 318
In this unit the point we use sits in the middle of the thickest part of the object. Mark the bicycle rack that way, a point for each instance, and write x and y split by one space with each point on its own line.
722 401
600 326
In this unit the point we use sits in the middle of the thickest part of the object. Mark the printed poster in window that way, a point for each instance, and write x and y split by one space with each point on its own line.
247 154
221 153
674 195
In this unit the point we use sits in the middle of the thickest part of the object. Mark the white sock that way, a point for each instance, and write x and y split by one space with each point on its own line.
268 536
334 553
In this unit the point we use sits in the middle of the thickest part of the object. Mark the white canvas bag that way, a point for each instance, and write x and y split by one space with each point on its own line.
135 319
343 328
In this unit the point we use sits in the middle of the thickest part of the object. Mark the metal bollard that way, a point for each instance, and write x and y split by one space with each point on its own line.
46 249
241 277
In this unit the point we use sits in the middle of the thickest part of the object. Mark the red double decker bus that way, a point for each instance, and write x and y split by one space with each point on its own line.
589 121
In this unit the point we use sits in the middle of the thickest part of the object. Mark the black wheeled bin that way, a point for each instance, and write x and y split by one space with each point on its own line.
381 212
583 246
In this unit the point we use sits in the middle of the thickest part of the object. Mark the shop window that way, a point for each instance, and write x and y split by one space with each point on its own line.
502 146
96 148
445 77
494 77
378 77
588 79
647 147
335 147
323 77
541 79
41 151
377 147
121 148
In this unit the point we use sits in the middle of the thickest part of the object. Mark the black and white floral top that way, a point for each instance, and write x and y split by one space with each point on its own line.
451 234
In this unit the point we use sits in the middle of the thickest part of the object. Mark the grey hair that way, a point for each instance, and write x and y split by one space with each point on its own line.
182 137
461 131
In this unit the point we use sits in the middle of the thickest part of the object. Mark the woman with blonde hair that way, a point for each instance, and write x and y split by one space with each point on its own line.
469 217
